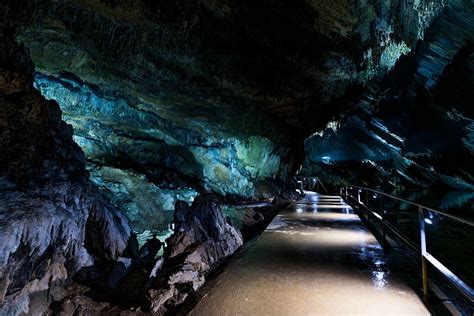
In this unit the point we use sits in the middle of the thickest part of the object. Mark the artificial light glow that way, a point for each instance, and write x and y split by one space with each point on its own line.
326 159
428 221
303 273
379 278
323 206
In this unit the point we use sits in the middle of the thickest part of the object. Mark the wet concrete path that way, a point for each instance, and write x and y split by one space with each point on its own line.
315 258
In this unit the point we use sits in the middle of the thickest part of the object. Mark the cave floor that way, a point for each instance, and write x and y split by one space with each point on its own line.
315 257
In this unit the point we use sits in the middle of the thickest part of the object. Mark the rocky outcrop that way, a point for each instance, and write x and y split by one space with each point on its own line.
412 126
148 206
445 39
203 237
251 218
53 221
48 235
137 152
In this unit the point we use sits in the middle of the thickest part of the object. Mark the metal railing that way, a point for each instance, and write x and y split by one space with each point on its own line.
310 184
358 194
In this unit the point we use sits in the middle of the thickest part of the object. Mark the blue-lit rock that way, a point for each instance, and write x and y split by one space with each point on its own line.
53 221
133 110
196 62
143 159
182 110
171 99
410 139
146 205
363 146
450 33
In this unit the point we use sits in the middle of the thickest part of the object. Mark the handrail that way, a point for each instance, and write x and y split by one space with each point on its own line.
463 220
322 184
426 257
318 182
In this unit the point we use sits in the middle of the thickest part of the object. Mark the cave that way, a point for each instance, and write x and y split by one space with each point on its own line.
210 157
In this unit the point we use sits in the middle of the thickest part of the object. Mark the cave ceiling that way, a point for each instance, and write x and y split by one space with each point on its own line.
287 59
176 98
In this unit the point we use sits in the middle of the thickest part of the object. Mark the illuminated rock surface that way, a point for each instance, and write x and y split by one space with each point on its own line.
217 100
172 101
410 137
202 238
53 221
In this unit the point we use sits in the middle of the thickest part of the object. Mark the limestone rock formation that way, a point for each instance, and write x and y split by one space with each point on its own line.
207 96
203 237
52 220
415 149
176 100
252 218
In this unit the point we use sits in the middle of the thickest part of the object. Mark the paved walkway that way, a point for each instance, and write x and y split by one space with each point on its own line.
315 258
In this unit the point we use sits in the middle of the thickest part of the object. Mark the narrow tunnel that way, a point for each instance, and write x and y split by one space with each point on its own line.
154 154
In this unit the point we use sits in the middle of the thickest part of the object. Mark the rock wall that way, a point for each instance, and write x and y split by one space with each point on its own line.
212 96
413 125
143 158
53 221
203 237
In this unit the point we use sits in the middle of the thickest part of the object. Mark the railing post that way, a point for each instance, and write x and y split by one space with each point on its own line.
382 213
424 264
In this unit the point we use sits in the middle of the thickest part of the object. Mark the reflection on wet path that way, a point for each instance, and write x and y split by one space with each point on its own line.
316 257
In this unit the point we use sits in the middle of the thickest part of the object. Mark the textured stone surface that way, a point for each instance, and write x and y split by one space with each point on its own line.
174 98
147 206
208 96
216 98
277 54
203 237
52 219
418 133
143 160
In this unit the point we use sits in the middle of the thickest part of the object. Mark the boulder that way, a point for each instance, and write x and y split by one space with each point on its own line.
252 218
203 237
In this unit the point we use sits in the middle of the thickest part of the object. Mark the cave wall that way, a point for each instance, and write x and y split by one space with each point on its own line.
222 153
285 57
411 128
53 221
212 95
144 157
170 99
